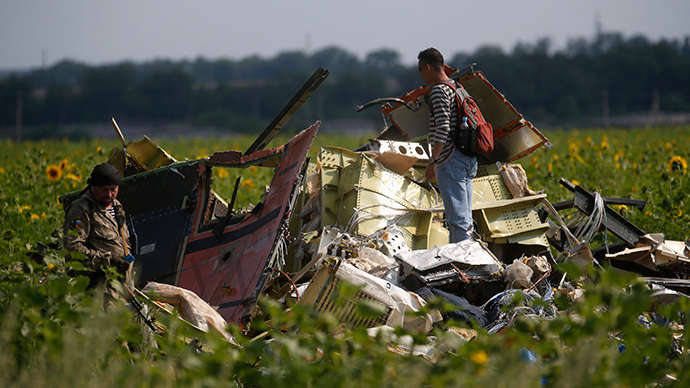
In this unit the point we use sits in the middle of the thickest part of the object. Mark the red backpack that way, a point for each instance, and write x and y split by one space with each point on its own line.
478 139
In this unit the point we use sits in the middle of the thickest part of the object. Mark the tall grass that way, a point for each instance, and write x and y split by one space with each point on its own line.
54 333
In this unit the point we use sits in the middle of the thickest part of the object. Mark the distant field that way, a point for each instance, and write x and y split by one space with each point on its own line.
648 164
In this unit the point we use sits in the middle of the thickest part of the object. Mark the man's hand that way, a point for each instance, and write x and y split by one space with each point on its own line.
430 173
121 264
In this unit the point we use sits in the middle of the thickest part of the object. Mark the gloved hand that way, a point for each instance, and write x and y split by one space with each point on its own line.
98 259
120 264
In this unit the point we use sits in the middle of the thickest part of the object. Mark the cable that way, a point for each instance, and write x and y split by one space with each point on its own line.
289 280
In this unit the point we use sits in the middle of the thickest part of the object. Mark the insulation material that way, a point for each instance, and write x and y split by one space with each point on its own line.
192 308
539 265
373 262
653 251
640 255
515 179
518 275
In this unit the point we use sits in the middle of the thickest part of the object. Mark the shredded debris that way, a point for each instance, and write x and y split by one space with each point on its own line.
368 218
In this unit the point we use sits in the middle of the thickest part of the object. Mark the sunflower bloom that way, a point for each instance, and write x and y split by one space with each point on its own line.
53 173
24 207
35 216
63 164
675 213
479 357
223 173
678 164
2 170
202 153
73 177
248 183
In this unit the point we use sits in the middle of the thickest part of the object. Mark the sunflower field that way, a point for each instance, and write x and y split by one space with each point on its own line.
648 164
53 334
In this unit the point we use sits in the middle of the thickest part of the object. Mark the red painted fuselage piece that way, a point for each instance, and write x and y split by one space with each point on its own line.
230 269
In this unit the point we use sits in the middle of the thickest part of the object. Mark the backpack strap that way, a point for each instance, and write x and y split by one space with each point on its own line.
451 86
458 100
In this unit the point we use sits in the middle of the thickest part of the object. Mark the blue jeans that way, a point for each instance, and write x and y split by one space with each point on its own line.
455 182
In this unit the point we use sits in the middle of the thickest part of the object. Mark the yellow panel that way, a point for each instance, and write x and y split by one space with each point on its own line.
337 157
149 154
489 188
487 169
329 196
534 237
145 154
512 217
382 196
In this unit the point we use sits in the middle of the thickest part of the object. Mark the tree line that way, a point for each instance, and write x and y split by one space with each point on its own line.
608 74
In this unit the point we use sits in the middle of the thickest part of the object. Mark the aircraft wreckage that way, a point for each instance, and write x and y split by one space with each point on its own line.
367 217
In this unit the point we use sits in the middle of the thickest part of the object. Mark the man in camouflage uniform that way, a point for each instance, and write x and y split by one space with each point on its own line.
95 226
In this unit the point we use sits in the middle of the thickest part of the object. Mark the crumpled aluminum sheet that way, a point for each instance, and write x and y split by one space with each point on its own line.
466 254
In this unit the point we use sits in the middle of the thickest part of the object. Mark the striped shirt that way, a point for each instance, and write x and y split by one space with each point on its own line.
443 118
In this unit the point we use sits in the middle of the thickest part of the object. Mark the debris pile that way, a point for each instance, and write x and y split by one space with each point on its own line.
384 231
367 217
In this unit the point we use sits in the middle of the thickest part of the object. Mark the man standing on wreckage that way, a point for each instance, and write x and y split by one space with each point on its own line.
452 169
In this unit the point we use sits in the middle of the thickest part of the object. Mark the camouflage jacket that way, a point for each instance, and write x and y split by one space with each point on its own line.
89 229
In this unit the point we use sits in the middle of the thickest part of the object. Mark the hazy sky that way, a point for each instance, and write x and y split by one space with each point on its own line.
99 32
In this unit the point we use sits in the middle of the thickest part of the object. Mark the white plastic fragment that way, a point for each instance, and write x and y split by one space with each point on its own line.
193 309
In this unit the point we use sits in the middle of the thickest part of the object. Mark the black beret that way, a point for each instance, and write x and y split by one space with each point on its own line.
105 175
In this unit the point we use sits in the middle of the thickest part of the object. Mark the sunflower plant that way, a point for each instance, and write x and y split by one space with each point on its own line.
53 333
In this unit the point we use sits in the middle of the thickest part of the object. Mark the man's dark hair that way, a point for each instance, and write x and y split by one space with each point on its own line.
432 57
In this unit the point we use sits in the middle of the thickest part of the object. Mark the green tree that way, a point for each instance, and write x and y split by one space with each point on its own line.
166 94
105 92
